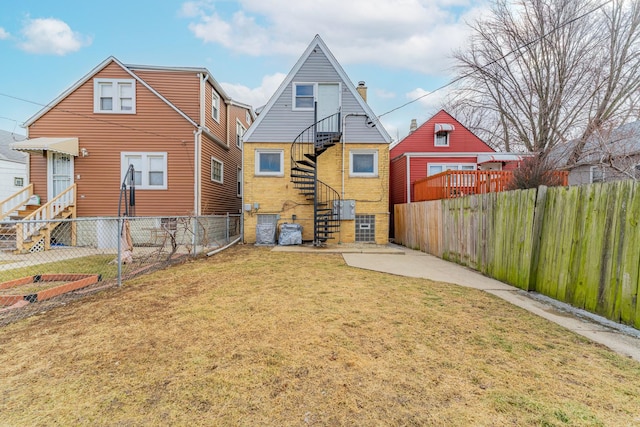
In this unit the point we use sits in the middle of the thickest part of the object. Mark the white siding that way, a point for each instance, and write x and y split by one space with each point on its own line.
8 171
281 124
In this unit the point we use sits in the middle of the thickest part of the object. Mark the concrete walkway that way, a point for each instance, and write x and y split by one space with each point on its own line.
401 261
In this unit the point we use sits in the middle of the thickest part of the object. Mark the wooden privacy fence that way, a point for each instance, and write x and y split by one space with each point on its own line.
575 244
454 183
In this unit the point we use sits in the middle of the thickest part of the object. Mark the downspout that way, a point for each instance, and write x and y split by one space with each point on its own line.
197 144
409 179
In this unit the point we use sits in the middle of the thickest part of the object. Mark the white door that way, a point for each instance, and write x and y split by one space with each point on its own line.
328 104
60 173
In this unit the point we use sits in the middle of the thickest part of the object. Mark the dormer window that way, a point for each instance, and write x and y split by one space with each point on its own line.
442 131
116 96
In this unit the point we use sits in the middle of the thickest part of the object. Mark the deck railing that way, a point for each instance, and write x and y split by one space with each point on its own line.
453 183
13 203
37 220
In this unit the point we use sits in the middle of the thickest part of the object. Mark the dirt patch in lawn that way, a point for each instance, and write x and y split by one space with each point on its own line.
253 337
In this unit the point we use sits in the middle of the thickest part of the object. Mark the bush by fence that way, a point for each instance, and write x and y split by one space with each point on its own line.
576 244
76 257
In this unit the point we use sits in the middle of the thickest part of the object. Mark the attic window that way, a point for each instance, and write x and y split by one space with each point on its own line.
441 137
303 94
116 96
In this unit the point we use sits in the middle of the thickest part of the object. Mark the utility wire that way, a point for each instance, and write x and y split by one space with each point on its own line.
517 49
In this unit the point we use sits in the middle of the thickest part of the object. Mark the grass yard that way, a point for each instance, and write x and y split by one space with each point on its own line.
253 337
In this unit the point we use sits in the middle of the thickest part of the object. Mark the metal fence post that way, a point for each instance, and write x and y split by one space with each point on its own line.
119 254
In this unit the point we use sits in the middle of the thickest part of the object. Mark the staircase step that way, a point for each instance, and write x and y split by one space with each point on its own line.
306 163
298 168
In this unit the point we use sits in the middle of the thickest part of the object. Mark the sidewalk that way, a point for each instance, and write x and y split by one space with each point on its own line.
401 261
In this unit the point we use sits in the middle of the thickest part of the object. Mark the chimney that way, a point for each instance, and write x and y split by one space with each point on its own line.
413 126
362 90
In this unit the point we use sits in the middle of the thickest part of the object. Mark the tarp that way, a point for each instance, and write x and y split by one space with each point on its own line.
290 234
59 145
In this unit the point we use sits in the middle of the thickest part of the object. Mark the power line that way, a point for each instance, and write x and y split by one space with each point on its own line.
517 49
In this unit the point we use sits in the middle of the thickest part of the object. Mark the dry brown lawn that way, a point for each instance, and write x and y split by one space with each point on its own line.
253 337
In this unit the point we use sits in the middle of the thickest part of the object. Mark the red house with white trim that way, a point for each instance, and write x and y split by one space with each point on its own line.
439 144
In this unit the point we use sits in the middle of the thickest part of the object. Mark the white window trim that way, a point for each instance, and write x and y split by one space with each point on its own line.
145 161
435 139
244 130
257 160
247 118
293 95
115 102
450 166
239 182
216 160
215 105
373 174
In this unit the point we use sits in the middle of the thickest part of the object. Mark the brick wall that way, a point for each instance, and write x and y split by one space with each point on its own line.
276 195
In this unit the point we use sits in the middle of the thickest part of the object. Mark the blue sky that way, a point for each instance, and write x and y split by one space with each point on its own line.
400 48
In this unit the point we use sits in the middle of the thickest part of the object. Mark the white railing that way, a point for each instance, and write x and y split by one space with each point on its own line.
13 203
36 221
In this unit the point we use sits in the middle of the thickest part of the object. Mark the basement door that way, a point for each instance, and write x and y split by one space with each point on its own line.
328 104
60 173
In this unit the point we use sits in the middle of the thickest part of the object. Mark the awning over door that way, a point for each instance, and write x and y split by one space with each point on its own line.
58 145
499 157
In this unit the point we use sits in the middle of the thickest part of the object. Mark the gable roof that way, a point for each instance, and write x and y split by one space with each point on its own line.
130 69
316 42
6 153
428 121
623 141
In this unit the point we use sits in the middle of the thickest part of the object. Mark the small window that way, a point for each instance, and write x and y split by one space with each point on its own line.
150 169
597 174
433 169
18 181
247 117
363 163
117 96
442 139
239 182
240 130
270 162
217 169
303 96
215 105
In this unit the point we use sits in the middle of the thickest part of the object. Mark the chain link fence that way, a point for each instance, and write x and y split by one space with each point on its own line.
44 264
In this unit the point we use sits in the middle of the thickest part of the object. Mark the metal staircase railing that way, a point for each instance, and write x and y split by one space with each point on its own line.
305 149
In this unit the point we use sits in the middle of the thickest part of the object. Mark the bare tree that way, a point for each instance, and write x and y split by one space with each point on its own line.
542 72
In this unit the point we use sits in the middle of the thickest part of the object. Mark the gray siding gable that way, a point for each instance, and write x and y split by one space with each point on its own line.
279 123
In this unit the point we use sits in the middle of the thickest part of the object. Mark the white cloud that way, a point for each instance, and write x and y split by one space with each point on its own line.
3 34
51 36
408 34
384 94
427 100
255 97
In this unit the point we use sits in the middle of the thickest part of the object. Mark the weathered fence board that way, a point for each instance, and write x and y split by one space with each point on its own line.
576 244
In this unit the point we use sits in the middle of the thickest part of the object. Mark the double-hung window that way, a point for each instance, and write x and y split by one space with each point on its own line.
150 169
270 162
441 136
363 163
215 105
240 130
303 96
115 96
217 170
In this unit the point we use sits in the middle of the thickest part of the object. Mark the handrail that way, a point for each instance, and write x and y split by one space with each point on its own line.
453 183
13 203
308 141
37 220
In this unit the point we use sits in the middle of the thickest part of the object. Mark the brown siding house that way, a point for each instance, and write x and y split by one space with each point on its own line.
177 127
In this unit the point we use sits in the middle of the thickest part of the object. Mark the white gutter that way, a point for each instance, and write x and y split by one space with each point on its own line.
197 147
408 179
